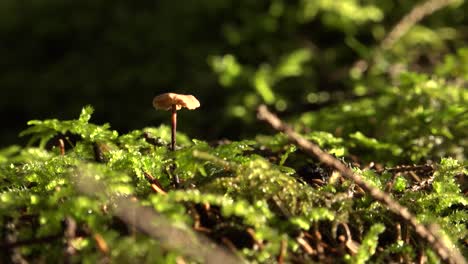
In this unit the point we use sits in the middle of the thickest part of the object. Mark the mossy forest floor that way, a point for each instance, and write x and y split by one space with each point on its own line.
82 193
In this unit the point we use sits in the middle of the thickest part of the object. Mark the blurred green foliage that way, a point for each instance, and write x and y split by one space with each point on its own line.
294 55
417 119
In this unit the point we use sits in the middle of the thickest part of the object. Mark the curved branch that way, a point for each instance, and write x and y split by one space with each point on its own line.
436 243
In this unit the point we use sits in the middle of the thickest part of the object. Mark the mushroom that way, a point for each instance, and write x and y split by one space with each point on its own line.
174 102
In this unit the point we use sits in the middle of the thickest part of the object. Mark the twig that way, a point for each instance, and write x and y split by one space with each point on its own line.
422 258
101 243
11 237
258 243
435 242
171 172
157 189
282 252
401 28
197 226
305 245
317 237
228 243
69 233
407 168
415 177
155 185
147 221
391 182
14 244
423 184
98 150
398 232
417 14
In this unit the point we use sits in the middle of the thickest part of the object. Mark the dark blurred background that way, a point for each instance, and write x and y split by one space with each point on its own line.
296 56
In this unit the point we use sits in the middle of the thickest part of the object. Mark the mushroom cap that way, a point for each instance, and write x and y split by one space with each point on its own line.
166 100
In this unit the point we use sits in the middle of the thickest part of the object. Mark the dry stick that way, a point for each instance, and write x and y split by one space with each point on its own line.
423 168
156 189
423 184
283 249
435 242
69 234
101 243
305 245
14 244
256 241
417 14
11 237
402 27
147 221
103 248
154 183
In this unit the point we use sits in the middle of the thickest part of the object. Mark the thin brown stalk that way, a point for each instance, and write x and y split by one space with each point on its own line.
258 243
305 246
432 239
173 126
156 189
101 243
61 144
282 252
154 183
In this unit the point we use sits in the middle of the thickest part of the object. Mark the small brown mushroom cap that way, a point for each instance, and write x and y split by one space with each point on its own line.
166 100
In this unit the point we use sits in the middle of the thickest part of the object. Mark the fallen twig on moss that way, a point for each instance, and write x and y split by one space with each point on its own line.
435 242
147 221
155 185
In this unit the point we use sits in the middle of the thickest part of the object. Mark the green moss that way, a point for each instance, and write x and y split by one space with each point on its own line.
251 193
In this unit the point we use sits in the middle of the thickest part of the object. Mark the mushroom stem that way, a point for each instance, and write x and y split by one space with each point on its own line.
174 102
175 178
173 126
